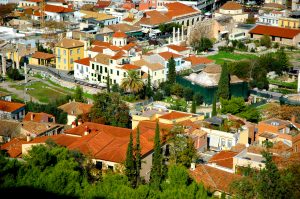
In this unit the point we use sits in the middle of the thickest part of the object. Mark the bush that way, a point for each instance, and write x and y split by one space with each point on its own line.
177 90
166 88
158 96
198 98
226 49
265 41
129 98
188 94
14 74
275 45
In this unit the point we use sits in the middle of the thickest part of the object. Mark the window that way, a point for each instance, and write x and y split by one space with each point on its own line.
78 58
65 52
124 74
71 61
58 51
65 61
110 167
100 69
78 50
115 81
154 73
105 69
86 69
229 144
111 61
93 66
58 60
71 51
111 71
97 68
118 73
223 142
163 71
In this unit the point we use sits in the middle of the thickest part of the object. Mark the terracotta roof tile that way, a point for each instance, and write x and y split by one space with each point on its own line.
198 60
174 115
118 55
84 61
76 108
130 67
38 128
38 117
101 43
177 9
98 49
224 159
177 48
168 55
119 34
7 106
275 31
152 66
69 43
57 9
154 18
102 4
42 55
14 147
231 5
102 58
214 179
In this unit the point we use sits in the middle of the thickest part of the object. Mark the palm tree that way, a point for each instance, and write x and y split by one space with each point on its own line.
133 82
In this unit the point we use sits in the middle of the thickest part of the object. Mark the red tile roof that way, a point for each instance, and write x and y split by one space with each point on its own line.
168 55
177 48
101 43
42 55
102 4
214 179
275 31
14 147
35 1
177 9
76 108
224 159
38 117
98 49
130 67
118 55
231 5
84 61
119 34
154 18
174 115
7 106
198 60
57 9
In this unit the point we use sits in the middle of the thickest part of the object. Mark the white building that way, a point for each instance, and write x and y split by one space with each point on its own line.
82 69
55 13
271 18
234 10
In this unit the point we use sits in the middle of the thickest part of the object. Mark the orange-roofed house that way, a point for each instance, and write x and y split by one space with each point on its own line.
223 161
39 117
82 69
74 109
11 110
275 130
42 59
119 38
232 9
215 180
175 117
285 36
197 63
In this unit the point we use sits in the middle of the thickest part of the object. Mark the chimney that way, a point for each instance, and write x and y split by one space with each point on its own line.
32 116
73 124
86 132
193 166
79 122
28 138
293 119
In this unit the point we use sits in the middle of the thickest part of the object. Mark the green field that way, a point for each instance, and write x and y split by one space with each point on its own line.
226 56
43 92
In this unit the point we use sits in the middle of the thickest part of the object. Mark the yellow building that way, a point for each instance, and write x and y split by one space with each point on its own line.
286 22
67 51
42 59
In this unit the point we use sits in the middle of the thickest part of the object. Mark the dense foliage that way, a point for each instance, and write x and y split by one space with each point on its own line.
63 173
14 74
168 28
269 182
171 71
224 83
110 109
203 44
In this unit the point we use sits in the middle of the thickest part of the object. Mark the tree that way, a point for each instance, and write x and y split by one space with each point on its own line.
194 106
265 41
178 90
109 108
138 157
198 99
171 71
188 94
130 169
14 74
78 95
233 106
251 20
108 82
224 83
156 169
214 107
133 82
283 63
149 91
204 44
115 88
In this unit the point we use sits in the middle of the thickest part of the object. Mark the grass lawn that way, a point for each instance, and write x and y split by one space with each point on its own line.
226 56
14 97
43 92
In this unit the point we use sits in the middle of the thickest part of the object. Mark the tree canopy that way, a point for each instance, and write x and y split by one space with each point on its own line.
171 71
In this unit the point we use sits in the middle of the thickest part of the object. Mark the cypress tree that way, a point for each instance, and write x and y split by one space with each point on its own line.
138 156
156 170
224 83
130 162
214 107
149 91
172 71
194 107
108 82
